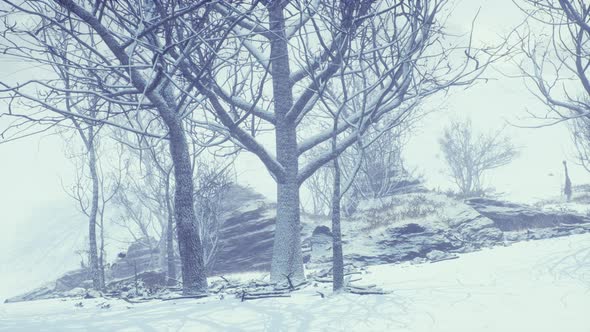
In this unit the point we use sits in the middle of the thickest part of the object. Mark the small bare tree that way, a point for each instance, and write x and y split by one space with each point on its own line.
211 186
94 187
469 155
381 172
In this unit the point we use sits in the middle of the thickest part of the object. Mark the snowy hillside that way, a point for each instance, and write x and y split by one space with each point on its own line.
529 286
39 248
43 245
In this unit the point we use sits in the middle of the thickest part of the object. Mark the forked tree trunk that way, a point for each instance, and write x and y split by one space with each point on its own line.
287 261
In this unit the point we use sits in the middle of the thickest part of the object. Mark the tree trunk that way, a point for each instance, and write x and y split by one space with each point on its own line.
102 254
93 248
337 257
171 268
287 260
194 279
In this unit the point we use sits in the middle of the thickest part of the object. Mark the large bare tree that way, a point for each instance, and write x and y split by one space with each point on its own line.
127 55
279 61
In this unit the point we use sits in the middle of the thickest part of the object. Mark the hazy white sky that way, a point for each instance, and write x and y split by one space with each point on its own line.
30 170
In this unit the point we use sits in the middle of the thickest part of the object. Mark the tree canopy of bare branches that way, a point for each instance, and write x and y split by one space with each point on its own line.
556 60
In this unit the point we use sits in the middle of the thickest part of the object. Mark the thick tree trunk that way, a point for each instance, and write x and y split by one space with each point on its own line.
287 261
194 279
337 257
93 248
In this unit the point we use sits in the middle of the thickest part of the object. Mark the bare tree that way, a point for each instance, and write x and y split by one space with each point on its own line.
212 184
555 64
127 54
470 155
283 56
556 60
147 205
382 171
93 189
146 200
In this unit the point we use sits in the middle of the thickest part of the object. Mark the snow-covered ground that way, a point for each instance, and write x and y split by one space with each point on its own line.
530 286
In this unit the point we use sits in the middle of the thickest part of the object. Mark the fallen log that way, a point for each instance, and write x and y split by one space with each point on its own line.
366 291
252 297
196 296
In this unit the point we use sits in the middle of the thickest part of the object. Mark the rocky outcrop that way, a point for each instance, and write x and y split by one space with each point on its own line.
45 292
520 222
142 255
321 244
73 279
467 232
77 280
474 230
246 240
516 217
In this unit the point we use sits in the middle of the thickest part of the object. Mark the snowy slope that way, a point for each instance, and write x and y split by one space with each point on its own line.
530 286
39 247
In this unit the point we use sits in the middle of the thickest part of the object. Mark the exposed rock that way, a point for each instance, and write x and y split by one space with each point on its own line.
474 229
73 279
92 294
463 230
72 283
396 245
246 240
247 234
517 217
437 255
45 292
321 244
322 230
142 255
75 292
418 228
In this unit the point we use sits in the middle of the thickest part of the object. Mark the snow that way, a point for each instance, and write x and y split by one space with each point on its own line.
529 286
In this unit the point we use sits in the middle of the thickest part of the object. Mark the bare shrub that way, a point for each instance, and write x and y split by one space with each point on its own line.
469 155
